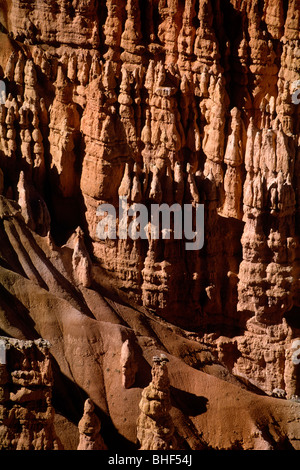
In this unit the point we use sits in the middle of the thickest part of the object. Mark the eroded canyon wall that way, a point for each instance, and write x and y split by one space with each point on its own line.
162 102
26 411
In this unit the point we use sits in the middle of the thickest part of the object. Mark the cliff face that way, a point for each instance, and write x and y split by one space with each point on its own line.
27 415
161 102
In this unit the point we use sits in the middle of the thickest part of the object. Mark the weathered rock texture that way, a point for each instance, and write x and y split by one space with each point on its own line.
89 428
155 428
128 364
27 415
160 102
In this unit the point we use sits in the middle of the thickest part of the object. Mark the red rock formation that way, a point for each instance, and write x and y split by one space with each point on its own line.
89 427
155 428
27 415
160 102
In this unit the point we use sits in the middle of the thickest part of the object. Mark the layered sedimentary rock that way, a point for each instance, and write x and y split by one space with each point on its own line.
166 102
87 332
155 428
27 414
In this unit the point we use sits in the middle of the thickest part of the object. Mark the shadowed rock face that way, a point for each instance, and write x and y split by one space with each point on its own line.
161 102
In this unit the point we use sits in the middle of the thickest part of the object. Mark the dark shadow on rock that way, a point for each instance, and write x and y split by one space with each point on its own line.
293 317
68 400
71 294
14 316
143 376
8 256
189 403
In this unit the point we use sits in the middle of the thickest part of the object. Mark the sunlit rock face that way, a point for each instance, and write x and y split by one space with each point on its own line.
159 101
27 415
